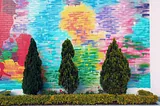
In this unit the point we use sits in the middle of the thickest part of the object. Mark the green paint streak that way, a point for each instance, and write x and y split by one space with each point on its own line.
86 60
6 55
1 59
136 44
145 65
139 48
14 49
131 56
126 46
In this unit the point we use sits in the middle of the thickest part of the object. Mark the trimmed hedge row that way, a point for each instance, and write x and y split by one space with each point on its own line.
24 100
77 99
136 99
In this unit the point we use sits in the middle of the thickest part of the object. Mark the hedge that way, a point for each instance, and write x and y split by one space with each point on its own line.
136 99
77 99
5 93
144 93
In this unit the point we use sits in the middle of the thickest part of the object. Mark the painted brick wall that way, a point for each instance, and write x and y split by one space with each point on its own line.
89 24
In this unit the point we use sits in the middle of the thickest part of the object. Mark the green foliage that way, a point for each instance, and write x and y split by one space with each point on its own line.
5 93
144 93
136 99
49 92
24 100
83 99
68 77
115 72
89 92
67 48
100 91
77 99
32 79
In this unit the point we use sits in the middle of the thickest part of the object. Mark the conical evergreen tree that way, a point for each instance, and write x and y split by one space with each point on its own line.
68 77
67 48
32 79
115 72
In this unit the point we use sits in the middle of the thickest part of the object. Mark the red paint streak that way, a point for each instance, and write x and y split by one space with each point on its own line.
5 26
23 42
2 72
6 22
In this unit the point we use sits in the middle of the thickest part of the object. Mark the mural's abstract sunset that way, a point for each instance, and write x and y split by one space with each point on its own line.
89 24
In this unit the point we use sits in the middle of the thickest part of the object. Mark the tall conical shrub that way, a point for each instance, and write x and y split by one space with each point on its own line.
68 77
115 72
32 80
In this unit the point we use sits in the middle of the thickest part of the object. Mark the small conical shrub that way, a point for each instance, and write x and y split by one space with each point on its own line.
115 72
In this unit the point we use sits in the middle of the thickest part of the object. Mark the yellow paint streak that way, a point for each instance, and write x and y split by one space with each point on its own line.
14 69
78 21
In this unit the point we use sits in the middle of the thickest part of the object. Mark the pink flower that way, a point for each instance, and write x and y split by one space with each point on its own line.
60 91
98 87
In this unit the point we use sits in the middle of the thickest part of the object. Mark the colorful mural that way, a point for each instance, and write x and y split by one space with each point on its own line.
89 24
